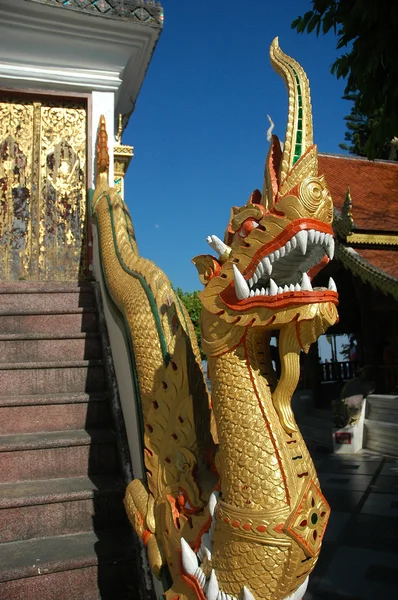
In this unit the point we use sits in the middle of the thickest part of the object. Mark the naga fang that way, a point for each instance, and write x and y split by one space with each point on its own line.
255 532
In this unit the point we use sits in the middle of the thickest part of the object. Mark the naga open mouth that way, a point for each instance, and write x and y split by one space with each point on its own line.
286 268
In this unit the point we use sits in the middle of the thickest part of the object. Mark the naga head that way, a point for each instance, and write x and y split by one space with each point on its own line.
277 242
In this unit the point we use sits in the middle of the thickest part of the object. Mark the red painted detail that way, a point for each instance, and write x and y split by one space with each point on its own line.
174 436
235 523
173 366
312 502
167 460
181 501
279 528
247 526
145 536
204 529
314 534
287 299
261 528
149 427
226 520
323 513
148 452
164 384
316 268
247 227
292 442
155 405
174 510
181 419
303 523
300 475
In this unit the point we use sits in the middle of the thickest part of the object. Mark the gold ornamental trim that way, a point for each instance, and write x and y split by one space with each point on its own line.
368 273
265 526
382 239
307 522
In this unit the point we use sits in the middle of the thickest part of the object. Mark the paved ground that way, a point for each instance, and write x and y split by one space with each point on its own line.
359 557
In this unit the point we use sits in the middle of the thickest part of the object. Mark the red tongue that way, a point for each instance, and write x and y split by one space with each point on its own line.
316 268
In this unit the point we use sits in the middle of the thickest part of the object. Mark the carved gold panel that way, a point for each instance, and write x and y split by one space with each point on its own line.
42 190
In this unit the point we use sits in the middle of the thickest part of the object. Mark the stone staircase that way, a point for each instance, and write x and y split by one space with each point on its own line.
63 534
381 424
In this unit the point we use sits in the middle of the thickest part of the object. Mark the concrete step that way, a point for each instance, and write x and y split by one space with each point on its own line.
20 347
32 321
381 436
53 412
48 455
382 407
83 566
56 302
44 508
52 377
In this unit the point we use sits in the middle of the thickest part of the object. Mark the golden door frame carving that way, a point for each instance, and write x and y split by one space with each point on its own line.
43 173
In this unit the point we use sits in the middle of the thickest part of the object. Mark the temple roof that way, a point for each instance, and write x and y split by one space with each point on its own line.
365 221
148 12
373 186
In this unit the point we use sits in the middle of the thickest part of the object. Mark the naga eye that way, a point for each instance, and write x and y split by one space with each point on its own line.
246 227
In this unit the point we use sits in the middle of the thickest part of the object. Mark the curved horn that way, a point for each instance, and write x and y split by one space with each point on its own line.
299 135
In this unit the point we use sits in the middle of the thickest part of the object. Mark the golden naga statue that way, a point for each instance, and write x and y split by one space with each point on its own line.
237 515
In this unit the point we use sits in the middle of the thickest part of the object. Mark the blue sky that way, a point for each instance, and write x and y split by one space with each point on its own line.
199 127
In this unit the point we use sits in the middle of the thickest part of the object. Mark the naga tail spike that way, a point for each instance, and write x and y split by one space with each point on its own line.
102 162
299 134
102 148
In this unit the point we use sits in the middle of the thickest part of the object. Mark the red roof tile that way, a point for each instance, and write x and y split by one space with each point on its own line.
385 260
374 189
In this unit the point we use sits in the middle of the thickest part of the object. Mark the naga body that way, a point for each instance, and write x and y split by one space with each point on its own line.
239 513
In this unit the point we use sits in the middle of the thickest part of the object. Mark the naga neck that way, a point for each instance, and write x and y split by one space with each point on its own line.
262 458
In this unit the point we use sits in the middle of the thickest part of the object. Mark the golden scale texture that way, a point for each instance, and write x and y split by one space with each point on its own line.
270 516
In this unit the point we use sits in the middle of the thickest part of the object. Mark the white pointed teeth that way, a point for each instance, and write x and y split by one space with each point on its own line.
247 595
267 266
330 248
241 288
306 283
273 288
189 558
212 503
200 576
212 587
332 285
218 245
302 240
